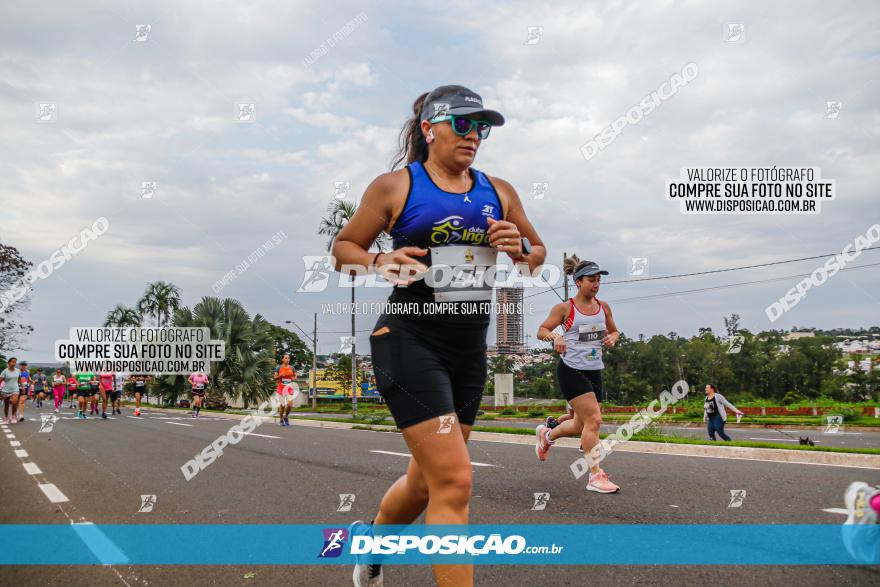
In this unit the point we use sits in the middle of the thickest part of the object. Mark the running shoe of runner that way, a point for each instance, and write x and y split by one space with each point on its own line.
863 510
587 324
366 573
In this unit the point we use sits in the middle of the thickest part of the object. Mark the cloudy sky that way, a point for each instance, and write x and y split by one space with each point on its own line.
164 110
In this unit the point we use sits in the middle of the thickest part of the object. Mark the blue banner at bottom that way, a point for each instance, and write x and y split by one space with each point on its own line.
515 544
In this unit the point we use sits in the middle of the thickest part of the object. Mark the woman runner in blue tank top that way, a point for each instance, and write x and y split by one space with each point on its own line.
429 349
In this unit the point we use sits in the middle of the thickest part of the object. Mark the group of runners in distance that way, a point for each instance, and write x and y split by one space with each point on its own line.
83 389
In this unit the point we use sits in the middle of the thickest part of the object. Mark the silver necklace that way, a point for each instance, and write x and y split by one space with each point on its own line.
466 200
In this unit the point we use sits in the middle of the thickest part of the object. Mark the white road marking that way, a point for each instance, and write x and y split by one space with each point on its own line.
100 545
32 469
263 435
20 453
403 454
53 493
14 443
10 436
134 417
179 424
836 511
836 433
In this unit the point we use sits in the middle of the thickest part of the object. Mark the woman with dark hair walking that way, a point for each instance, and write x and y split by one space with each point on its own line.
430 362
714 412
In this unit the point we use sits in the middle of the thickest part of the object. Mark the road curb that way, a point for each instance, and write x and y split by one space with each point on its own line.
772 455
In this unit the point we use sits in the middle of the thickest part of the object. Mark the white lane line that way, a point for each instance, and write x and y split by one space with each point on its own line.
262 435
32 469
403 454
53 493
10 436
101 546
836 433
20 453
836 511
134 417
178 424
14 443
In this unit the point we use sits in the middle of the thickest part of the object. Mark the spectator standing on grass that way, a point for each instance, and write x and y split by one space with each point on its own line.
714 412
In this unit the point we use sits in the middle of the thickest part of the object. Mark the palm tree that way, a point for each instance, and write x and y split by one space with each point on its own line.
245 373
121 316
340 212
160 300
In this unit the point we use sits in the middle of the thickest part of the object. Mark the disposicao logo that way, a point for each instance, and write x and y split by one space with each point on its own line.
334 541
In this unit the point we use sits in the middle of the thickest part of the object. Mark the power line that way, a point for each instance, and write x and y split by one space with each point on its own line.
727 285
717 271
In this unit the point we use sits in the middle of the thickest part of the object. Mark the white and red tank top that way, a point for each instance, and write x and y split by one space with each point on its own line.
583 334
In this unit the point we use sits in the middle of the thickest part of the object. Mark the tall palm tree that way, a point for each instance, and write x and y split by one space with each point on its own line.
245 373
160 300
340 212
121 316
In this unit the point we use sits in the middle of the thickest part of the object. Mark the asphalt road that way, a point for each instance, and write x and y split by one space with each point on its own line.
295 475
784 435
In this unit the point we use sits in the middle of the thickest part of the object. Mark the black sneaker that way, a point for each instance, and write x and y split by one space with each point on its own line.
104 415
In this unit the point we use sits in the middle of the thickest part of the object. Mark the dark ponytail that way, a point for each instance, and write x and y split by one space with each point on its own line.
411 142
571 265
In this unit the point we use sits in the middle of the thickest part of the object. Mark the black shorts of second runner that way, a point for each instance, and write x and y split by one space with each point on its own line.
113 395
424 372
83 393
198 392
575 382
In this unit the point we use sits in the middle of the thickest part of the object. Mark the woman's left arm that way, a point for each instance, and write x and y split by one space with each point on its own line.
611 333
728 404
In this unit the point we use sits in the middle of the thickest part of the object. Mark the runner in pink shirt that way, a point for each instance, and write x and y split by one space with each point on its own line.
105 380
198 380
58 383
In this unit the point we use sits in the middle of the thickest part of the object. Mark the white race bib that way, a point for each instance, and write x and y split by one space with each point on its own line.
462 273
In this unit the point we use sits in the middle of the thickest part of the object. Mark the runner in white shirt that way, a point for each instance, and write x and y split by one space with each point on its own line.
587 325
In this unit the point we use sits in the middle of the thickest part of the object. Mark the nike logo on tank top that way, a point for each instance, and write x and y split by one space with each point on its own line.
433 218
583 338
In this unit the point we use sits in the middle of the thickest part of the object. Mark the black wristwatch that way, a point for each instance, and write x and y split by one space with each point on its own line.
526 246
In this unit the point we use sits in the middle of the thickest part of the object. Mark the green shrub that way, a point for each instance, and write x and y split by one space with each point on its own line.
537 412
793 397
508 412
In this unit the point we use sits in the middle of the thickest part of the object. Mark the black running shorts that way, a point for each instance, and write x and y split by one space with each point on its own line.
427 371
575 382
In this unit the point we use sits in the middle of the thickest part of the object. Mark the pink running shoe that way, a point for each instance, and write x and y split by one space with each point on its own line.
600 483
542 444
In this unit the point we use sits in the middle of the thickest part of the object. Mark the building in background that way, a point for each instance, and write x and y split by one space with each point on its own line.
509 321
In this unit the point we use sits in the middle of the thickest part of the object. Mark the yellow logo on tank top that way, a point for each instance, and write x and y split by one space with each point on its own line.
450 231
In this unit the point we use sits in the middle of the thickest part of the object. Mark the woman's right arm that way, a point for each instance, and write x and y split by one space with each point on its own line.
554 320
351 247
